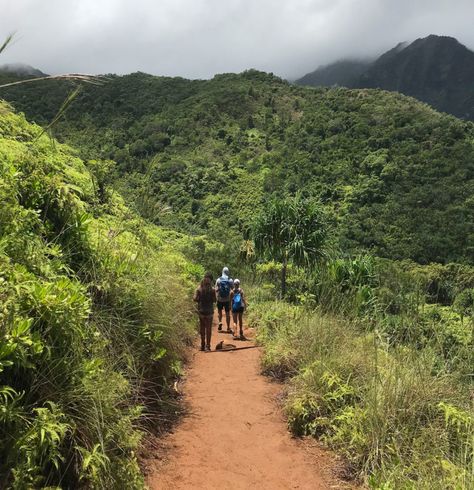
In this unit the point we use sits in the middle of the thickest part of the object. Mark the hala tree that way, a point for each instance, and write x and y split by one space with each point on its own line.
290 230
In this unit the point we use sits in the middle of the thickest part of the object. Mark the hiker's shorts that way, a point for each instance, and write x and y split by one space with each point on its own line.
223 304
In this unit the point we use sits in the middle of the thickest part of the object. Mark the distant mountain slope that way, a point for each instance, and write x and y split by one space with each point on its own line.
437 69
344 73
396 177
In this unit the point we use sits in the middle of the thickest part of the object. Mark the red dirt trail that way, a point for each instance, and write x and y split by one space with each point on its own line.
234 435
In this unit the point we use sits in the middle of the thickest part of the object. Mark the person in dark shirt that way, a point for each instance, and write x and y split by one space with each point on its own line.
224 285
205 297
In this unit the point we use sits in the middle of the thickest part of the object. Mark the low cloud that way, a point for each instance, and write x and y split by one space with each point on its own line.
198 38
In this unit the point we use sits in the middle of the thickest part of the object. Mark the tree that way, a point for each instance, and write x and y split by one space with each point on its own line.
290 230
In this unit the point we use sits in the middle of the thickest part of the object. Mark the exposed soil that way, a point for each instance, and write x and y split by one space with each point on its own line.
234 435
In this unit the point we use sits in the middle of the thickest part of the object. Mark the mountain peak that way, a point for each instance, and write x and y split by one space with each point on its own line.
436 69
435 38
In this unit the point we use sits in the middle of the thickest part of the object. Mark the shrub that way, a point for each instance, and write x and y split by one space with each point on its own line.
93 324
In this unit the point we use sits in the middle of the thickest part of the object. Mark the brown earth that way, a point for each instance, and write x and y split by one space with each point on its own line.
234 435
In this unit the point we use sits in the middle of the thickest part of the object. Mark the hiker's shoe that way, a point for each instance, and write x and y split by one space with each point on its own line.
203 348
242 337
229 331
219 328
208 348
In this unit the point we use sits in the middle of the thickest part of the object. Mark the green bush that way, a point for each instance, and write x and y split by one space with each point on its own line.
93 320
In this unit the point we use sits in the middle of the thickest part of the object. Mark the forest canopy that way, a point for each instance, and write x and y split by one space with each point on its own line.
395 176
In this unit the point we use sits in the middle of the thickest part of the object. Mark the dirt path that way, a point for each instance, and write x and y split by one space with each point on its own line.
234 436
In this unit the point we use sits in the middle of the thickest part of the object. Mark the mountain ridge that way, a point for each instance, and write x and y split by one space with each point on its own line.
21 70
438 70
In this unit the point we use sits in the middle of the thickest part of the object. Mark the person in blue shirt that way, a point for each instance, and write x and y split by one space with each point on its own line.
239 303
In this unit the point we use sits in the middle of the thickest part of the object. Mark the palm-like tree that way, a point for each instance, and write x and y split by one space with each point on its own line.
291 230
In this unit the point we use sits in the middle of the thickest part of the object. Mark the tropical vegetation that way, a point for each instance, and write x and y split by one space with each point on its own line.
90 342
392 173
356 205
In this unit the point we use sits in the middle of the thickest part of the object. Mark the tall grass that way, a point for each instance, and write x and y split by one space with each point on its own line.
389 396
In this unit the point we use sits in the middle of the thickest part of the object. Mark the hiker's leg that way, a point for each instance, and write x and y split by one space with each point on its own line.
234 317
241 326
227 316
202 330
208 331
219 314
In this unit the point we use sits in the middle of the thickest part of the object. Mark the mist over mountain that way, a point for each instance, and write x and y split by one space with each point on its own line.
21 69
438 70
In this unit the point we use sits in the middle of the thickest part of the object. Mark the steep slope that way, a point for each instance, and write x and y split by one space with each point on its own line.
88 343
437 69
396 176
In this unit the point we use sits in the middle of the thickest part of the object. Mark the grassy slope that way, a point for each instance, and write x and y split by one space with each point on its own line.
390 170
397 411
92 323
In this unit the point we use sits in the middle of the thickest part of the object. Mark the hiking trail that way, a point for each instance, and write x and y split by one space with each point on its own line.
234 435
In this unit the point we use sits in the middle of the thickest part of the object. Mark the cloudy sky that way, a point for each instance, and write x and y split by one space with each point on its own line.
198 38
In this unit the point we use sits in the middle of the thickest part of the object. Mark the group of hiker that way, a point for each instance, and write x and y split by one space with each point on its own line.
229 297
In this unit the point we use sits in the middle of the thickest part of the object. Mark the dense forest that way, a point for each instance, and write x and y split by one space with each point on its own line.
348 213
395 176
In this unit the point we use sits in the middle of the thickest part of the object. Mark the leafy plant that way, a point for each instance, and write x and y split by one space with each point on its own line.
291 230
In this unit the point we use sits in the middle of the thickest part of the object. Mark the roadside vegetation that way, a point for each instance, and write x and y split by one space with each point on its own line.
378 358
93 319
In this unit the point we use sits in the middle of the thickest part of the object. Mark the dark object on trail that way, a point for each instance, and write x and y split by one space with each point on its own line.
231 347
222 346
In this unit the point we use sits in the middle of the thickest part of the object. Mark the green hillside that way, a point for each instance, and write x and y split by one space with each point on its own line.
395 176
102 238
90 300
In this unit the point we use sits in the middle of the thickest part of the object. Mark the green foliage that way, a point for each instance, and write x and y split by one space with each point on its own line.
290 230
92 324
375 367
38 450
344 285
389 170
464 304
395 416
